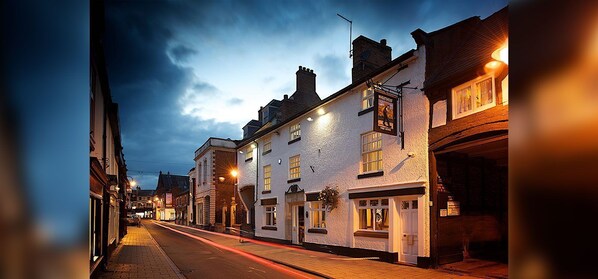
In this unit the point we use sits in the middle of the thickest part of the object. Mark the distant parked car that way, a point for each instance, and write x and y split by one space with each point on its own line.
134 220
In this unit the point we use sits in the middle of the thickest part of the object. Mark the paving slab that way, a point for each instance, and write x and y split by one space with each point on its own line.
139 256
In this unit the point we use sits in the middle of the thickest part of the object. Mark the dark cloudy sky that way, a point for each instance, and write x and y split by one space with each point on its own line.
183 71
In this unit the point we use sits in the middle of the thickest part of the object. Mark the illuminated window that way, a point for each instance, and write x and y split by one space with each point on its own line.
318 215
267 173
294 167
373 214
371 152
473 96
270 215
267 147
248 153
367 98
295 131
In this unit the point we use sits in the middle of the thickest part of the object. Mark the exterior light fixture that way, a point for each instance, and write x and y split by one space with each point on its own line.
253 146
221 178
234 173
502 53
279 161
310 119
321 111
240 151
492 66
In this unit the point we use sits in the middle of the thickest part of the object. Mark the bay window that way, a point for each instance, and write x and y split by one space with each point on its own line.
318 215
270 216
473 96
373 214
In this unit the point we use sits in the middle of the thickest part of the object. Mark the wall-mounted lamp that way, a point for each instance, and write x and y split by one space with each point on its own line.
240 151
502 53
221 178
234 173
411 154
279 161
310 119
253 146
321 111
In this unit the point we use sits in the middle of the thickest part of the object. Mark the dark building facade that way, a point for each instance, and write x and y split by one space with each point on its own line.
181 205
168 185
467 87
108 182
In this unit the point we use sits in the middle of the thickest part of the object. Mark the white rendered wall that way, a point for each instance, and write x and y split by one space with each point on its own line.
331 144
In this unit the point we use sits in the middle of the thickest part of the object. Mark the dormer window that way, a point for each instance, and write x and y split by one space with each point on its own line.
473 96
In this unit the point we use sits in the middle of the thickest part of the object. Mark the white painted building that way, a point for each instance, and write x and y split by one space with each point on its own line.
383 208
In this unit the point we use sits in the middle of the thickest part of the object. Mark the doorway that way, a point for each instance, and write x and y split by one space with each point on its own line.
298 221
409 241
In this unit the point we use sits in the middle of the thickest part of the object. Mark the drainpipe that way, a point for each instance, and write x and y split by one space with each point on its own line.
257 169
257 174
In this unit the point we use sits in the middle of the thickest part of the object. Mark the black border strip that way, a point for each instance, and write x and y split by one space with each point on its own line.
270 201
389 193
371 174
312 196
295 140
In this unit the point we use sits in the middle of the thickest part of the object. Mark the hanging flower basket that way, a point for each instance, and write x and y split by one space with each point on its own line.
329 197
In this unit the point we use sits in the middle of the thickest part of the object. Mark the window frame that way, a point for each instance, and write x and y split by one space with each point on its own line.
298 167
362 153
295 133
471 84
270 209
268 178
317 206
369 207
367 95
267 148
248 153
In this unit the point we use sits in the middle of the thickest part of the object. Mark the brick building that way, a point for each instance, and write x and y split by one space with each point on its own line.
216 197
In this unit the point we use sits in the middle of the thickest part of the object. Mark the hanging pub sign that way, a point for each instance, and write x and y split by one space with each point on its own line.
385 116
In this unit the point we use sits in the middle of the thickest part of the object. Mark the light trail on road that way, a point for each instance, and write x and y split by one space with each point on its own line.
242 253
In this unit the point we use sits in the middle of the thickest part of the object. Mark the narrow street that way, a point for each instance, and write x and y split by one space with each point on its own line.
196 259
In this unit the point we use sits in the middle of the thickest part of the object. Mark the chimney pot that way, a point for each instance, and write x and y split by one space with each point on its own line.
311 71
383 42
286 96
299 67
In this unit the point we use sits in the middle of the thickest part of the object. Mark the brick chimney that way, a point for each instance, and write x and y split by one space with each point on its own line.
306 80
369 55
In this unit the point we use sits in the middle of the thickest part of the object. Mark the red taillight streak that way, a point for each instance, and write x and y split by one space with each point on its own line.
244 239
242 253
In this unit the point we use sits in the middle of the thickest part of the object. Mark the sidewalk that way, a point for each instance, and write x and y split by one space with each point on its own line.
139 256
317 263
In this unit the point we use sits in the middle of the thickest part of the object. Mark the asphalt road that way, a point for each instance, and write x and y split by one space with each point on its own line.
197 259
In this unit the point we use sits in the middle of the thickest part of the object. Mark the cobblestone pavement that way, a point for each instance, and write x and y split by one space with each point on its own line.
139 256
323 264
